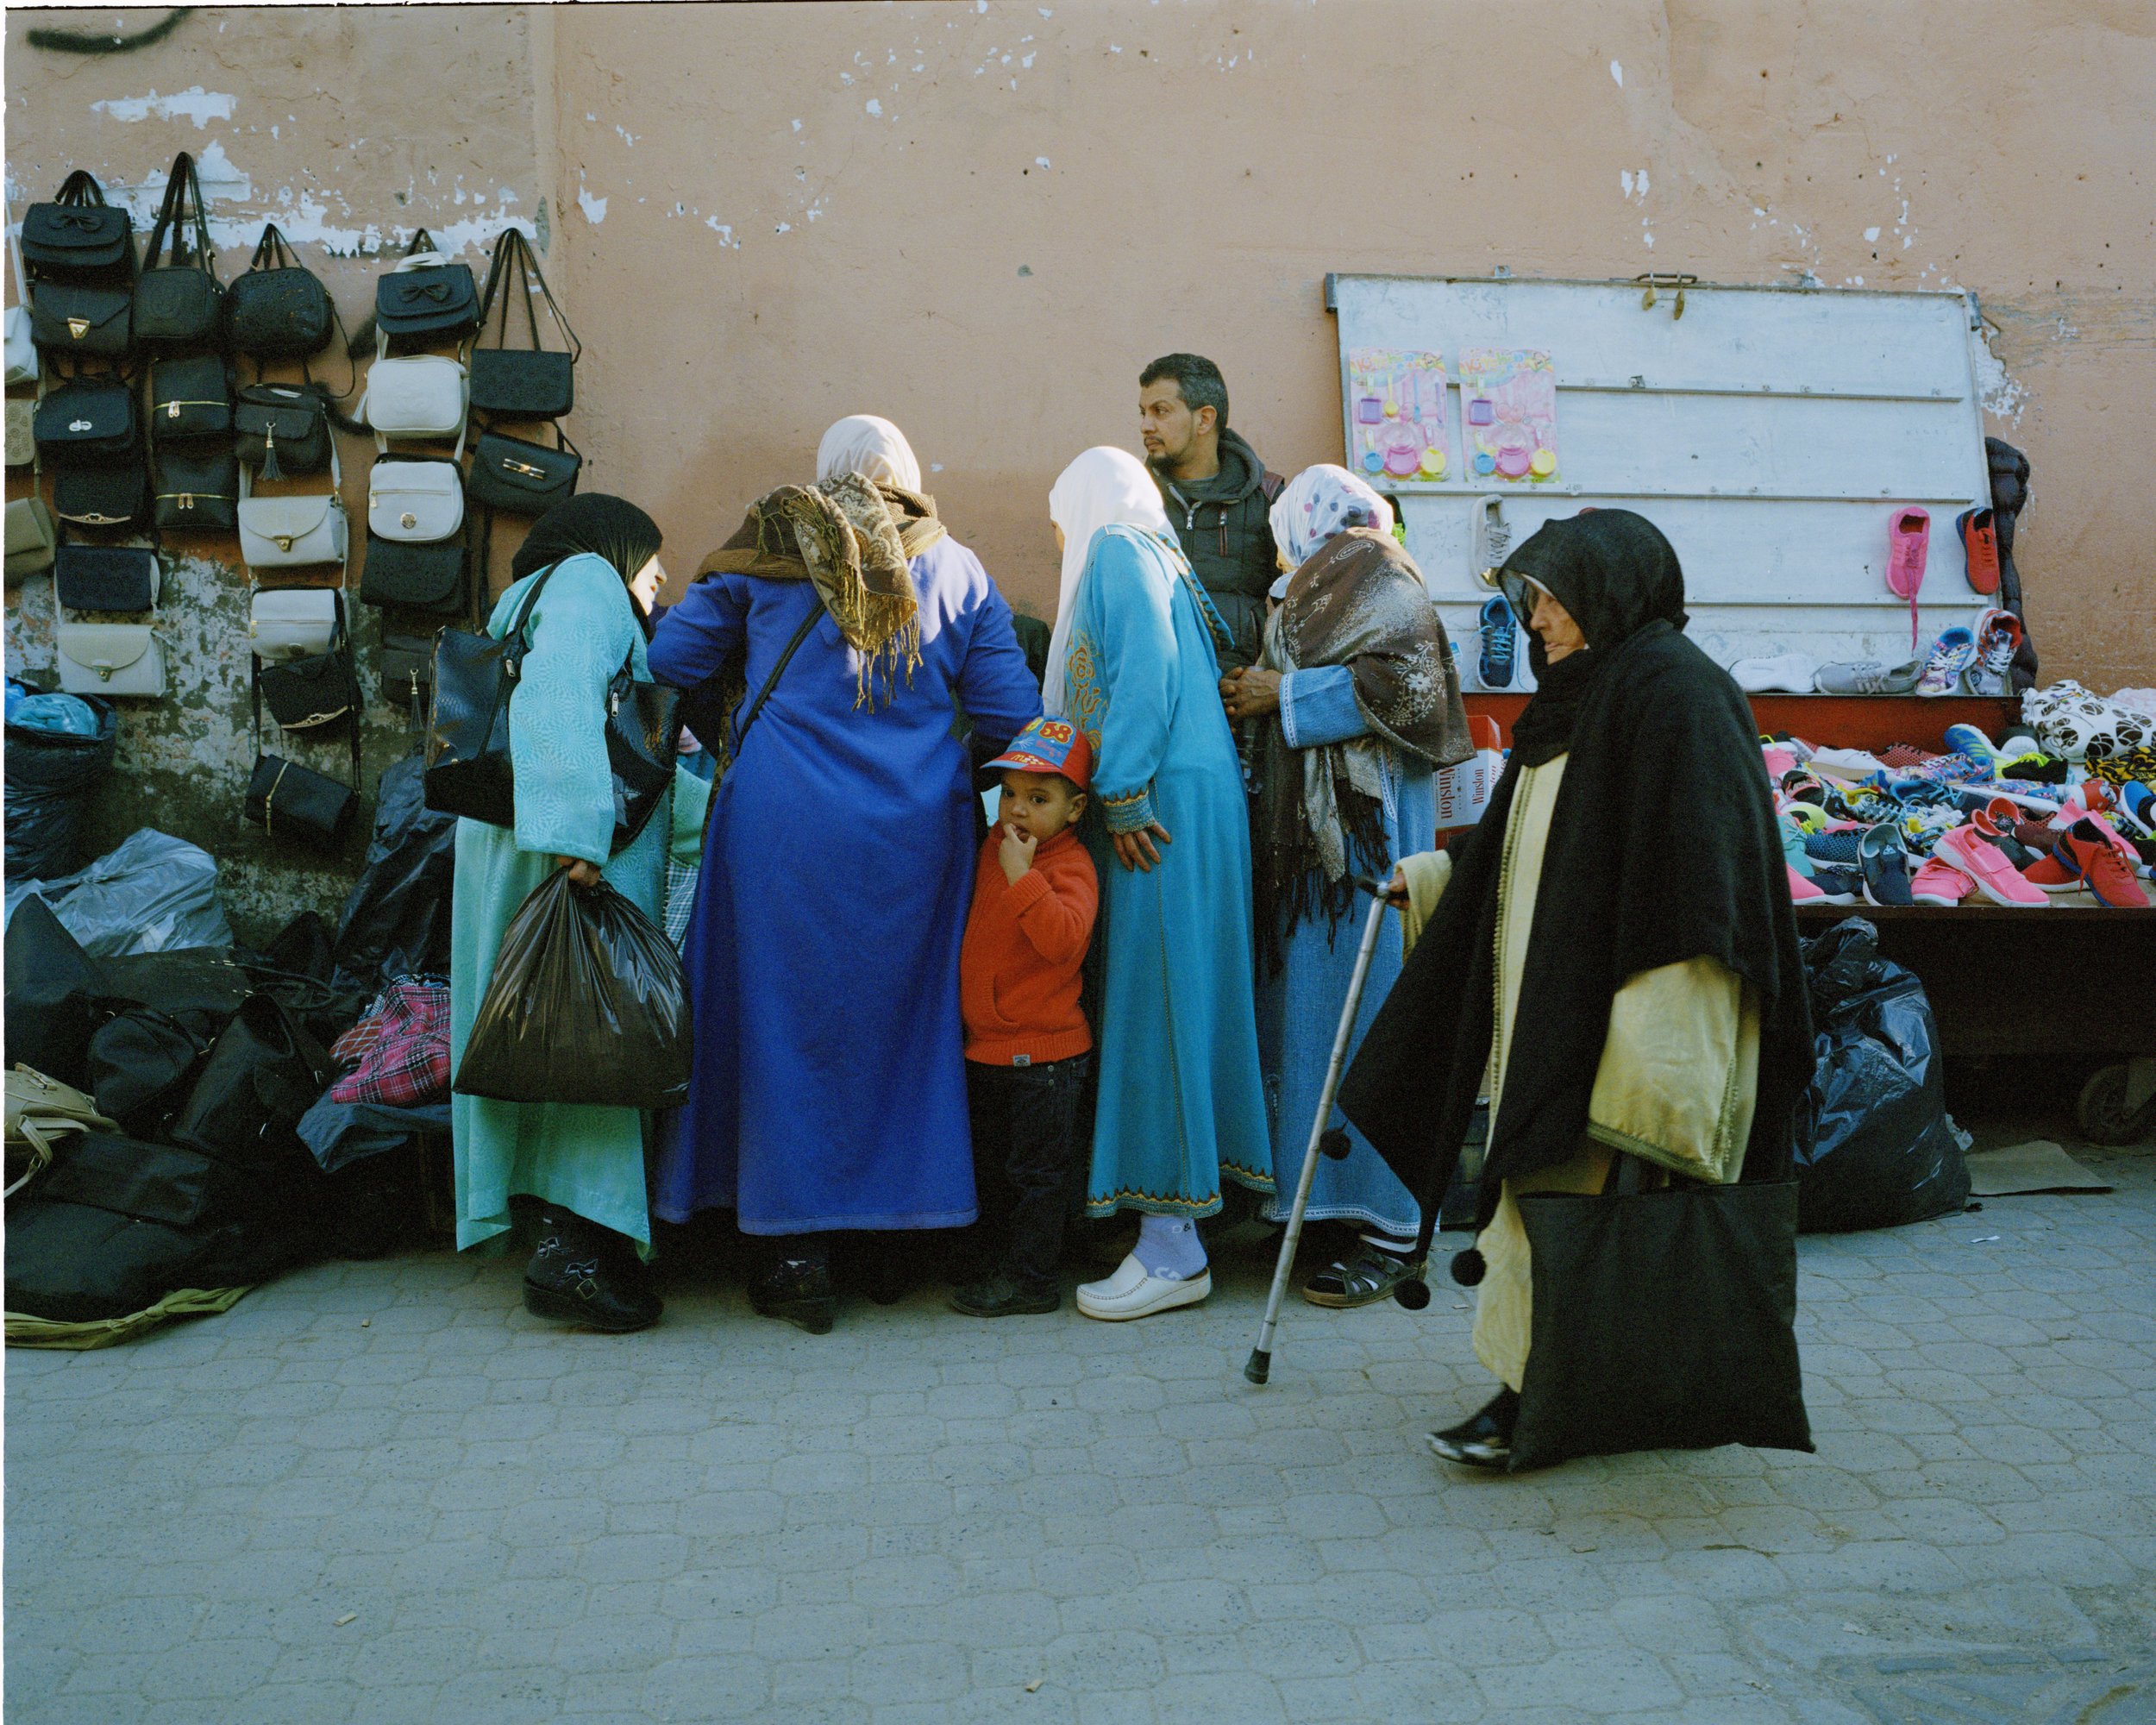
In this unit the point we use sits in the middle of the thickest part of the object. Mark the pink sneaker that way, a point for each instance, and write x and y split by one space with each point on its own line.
1908 541
1940 883
1801 891
1967 850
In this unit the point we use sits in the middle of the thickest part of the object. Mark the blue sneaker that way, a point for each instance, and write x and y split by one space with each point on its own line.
1967 740
1836 849
1495 665
1886 867
1837 886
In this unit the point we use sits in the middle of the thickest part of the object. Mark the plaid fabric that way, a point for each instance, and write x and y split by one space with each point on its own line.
680 900
402 1048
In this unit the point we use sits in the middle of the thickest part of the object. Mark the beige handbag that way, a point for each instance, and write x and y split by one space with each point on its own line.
108 659
21 445
288 532
426 395
32 537
417 502
292 623
40 1112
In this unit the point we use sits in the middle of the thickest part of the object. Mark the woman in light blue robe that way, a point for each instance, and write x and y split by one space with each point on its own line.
1358 706
1135 665
597 559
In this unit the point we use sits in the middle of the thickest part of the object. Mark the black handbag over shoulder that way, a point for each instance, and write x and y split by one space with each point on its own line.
1662 1320
279 310
521 478
282 429
522 383
78 237
470 771
191 397
435 299
180 305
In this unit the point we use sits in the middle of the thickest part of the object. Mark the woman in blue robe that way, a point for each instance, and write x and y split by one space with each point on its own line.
1134 664
828 1090
1359 706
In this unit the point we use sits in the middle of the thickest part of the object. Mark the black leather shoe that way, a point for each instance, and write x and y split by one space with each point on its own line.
1363 1278
799 1292
1485 1440
1001 1296
574 1278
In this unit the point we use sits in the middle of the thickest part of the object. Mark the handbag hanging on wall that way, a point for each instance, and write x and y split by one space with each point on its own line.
115 660
291 532
522 383
198 489
470 770
191 397
292 623
426 294
521 478
22 348
291 802
73 318
279 310
78 237
425 395
117 495
316 693
89 419
106 577
180 305
33 537
282 429
22 440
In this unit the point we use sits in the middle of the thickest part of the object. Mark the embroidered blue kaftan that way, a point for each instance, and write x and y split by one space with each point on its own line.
1182 1102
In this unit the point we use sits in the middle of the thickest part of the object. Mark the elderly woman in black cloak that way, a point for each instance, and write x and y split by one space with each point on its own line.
1610 955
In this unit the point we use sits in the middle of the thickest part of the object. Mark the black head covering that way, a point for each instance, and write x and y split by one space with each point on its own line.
1616 575
609 527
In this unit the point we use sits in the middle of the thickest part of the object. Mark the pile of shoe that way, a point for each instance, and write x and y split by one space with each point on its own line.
2008 823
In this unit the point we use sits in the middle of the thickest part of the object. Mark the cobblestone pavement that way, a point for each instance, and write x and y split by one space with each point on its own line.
380 1492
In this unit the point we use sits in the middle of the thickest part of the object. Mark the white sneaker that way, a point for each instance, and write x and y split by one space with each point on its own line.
1134 1292
1791 673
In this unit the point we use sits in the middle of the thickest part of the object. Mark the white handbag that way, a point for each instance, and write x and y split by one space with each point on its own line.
292 623
111 659
420 503
425 395
22 349
287 532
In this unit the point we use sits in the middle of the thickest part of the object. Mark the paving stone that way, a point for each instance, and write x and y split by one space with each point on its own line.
457 1513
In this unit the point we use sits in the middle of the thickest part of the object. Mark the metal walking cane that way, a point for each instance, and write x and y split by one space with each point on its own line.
1329 1141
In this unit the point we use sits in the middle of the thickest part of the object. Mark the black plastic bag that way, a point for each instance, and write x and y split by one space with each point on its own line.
51 777
396 919
1874 1146
53 986
587 1004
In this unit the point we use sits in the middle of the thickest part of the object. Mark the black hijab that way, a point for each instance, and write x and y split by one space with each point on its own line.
1662 847
1615 574
609 527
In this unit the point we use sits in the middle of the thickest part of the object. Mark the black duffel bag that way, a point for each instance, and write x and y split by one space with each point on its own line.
117 1225
140 1062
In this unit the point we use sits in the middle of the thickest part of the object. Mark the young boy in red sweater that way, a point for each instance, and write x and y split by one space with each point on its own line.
1028 1048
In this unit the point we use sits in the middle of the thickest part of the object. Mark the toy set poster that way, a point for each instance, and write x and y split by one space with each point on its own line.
1508 407
1400 427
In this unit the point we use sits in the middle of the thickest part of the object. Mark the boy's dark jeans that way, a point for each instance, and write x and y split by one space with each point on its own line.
1025 1149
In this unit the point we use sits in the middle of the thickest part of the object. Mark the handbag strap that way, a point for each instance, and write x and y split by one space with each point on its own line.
513 249
81 187
181 211
770 682
271 251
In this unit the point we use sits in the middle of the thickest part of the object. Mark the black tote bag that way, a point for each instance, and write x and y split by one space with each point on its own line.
180 304
1663 1321
522 383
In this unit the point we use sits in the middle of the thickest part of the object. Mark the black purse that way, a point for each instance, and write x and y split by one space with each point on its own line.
115 495
78 237
430 299
277 310
180 305
197 490
1661 1320
88 419
522 478
522 383
106 577
191 397
263 1073
407 663
290 801
282 429
315 693
470 771
70 317
429 578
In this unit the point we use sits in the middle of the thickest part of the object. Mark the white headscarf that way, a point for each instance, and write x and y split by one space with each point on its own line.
1317 504
861 443
1103 487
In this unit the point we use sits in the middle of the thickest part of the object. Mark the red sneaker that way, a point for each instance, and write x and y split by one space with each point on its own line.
1980 543
2103 871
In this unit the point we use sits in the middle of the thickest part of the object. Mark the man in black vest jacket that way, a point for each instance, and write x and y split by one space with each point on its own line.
1216 490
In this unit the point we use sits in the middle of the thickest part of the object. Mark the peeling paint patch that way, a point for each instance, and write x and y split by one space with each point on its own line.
1872 236
1617 72
875 109
2002 397
200 105
594 208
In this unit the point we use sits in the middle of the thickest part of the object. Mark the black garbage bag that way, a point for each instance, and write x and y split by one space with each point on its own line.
587 1004
396 919
1874 1146
51 777
53 986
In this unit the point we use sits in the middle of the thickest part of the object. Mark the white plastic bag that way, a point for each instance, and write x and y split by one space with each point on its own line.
152 894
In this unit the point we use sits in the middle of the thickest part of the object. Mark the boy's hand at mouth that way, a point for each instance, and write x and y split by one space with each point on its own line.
1015 853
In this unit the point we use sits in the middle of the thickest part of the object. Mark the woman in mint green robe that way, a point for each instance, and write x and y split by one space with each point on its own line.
1134 666
585 1164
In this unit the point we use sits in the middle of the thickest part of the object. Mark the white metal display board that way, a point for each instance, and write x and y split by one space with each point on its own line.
1770 432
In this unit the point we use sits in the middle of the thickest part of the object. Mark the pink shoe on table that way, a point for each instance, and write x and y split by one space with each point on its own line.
1967 850
1940 883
